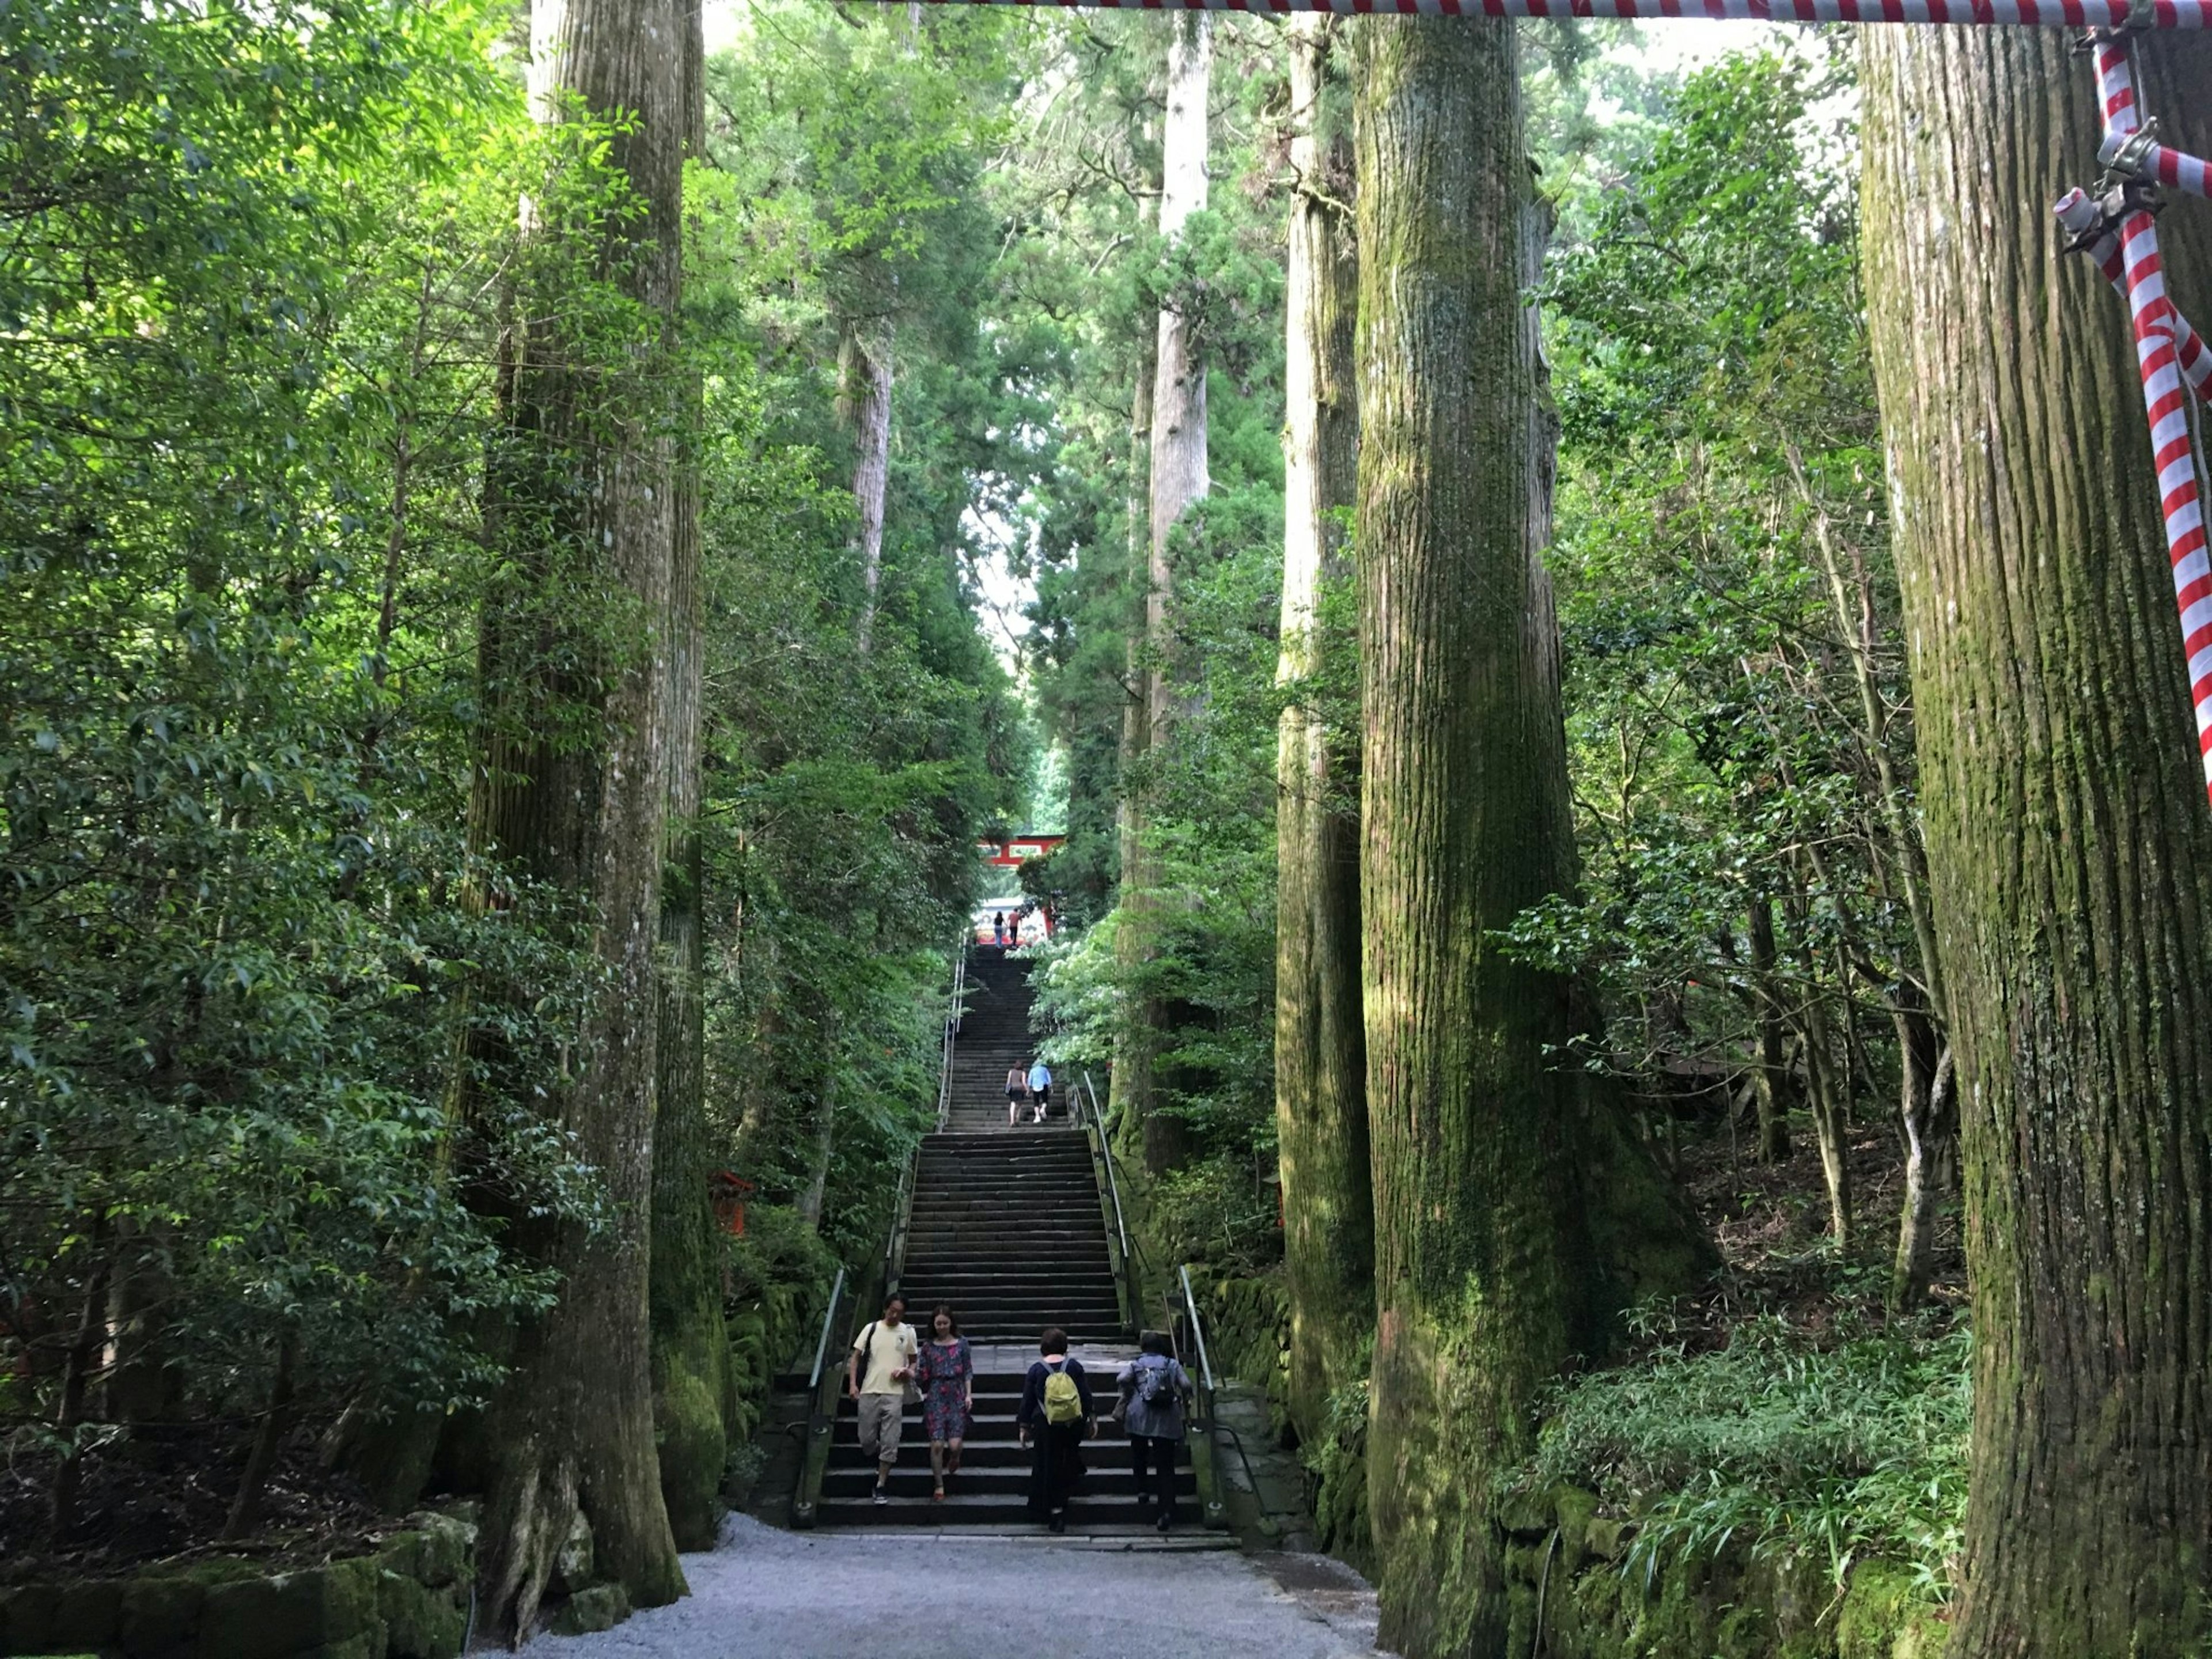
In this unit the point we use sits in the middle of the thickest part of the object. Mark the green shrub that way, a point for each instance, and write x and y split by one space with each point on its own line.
1214 1211
1855 1449
779 1274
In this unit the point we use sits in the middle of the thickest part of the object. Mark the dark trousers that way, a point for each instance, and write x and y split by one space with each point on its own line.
1161 1455
1055 1463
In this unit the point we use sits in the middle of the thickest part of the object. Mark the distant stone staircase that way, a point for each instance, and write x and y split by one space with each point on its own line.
1007 1228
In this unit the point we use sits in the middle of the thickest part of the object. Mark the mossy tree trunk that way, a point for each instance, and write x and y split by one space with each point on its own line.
573 788
1321 1083
1178 478
1464 823
691 1349
863 372
1130 1084
2069 850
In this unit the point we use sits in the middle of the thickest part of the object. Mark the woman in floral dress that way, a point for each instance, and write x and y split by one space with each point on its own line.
946 1374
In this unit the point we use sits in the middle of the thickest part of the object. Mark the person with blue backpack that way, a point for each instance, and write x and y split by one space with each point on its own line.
1154 1386
1055 1418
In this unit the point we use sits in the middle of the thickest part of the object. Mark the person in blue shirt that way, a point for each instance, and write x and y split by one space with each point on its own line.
1039 1091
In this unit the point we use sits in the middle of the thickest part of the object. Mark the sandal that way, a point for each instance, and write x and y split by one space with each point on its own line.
939 1495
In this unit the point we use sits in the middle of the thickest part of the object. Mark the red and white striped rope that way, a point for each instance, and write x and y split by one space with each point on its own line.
2077 213
2162 165
2067 13
2158 332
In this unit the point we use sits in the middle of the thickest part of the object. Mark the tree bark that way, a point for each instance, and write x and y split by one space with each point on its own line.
1130 1084
864 369
1178 478
1926 1101
2069 851
1771 1079
1321 1083
814 1195
573 789
268 1441
691 1349
1464 822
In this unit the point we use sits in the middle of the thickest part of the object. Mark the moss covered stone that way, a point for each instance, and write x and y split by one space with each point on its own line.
298 1613
600 1607
161 1616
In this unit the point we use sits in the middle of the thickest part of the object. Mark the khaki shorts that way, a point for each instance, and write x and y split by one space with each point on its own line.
882 1415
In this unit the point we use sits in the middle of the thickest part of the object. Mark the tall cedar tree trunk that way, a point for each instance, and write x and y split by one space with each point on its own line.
1465 821
864 375
1321 1081
2069 852
691 1349
581 502
1178 478
1130 1082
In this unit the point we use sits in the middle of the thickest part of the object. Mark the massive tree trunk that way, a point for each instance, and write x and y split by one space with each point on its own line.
1465 821
691 1349
2069 852
573 789
1178 478
864 368
1130 1084
1320 1083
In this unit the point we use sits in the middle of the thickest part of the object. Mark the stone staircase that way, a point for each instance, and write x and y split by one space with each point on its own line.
994 1038
1007 1228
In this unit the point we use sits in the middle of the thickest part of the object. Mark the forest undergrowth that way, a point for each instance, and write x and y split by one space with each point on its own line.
1783 1408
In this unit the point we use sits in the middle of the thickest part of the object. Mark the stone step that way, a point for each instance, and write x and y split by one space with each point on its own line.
911 1478
993 1513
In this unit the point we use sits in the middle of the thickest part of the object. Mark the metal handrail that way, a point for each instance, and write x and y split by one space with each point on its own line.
828 1318
1197 1330
1202 1448
952 1032
821 1417
1113 1186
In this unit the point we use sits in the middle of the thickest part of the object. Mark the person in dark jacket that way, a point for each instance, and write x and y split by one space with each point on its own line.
1154 1386
1055 1426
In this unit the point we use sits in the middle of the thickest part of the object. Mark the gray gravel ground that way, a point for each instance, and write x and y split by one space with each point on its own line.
771 1594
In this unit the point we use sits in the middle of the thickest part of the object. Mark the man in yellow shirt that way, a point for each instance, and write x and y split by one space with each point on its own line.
876 1373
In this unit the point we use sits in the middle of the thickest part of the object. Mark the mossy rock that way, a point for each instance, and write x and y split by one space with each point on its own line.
27 1617
420 1621
1605 1537
443 1546
1886 1616
602 1606
1574 1509
298 1613
161 1616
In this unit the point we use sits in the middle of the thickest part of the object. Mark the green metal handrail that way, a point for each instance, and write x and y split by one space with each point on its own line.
1205 1465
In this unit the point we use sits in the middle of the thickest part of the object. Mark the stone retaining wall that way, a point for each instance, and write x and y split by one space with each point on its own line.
409 1600
1731 1605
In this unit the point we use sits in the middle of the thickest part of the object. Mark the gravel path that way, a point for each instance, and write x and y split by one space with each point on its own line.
771 1594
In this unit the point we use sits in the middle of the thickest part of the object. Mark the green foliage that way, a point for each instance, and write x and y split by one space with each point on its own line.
845 788
247 304
1842 1451
1723 573
779 1278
